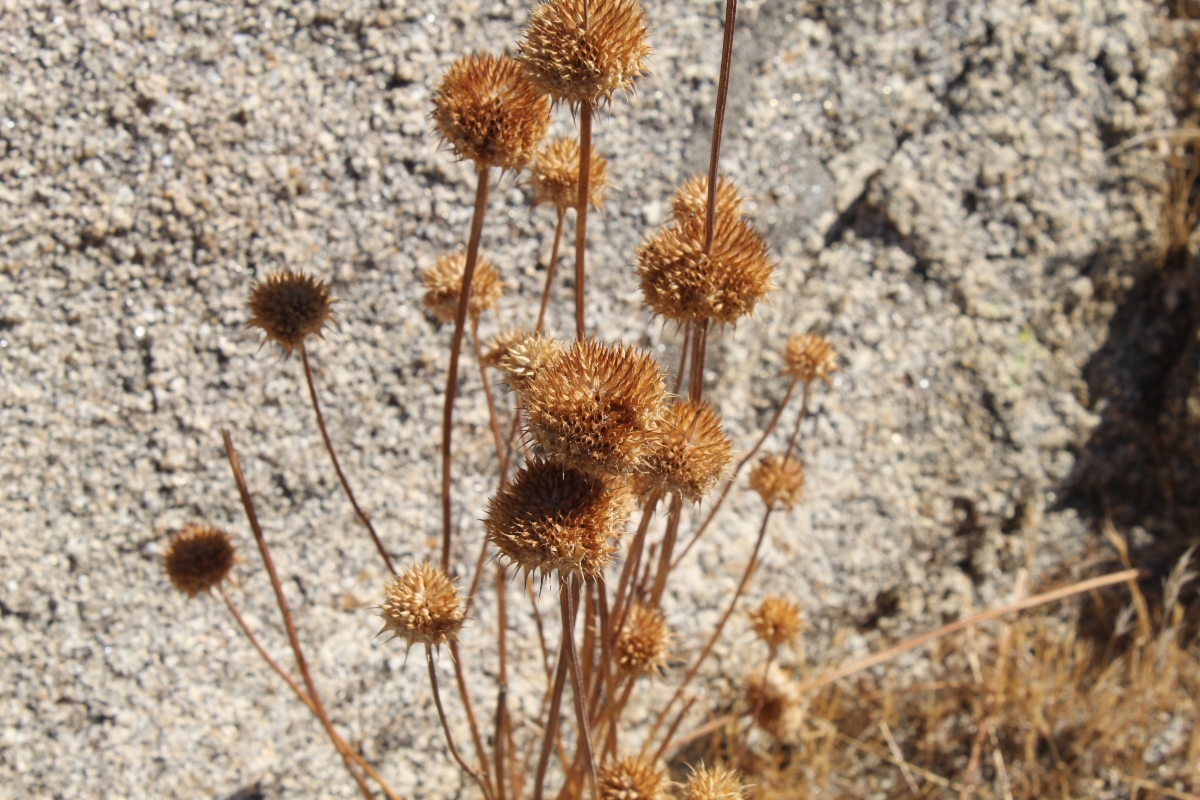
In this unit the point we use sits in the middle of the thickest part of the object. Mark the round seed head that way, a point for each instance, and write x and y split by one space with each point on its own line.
554 175
489 113
421 605
443 285
555 518
501 345
289 307
596 406
630 779
771 702
642 645
691 199
714 783
809 357
198 558
680 283
526 358
690 453
779 481
777 621
575 64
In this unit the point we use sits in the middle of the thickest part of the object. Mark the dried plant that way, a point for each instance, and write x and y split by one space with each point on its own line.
776 621
631 779
443 287
778 480
198 559
289 307
422 606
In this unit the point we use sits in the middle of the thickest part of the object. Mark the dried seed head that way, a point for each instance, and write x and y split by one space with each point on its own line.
691 200
714 783
501 345
553 517
642 645
809 357
489 112
772 702
526 358
290 307
575 64
596 406
443 284
554 175
630 779
779 480
681 284
198 558
690 453
777 621
422 605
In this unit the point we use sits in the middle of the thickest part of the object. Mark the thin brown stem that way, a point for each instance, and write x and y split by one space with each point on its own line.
437 701
674 727
699 348
550 268
476 576
493 419
569 603
469 710
500 738
285 612
683 355
460 320
628 569
674 512
743 736
800 417
550 734
714 158
362 516
581 208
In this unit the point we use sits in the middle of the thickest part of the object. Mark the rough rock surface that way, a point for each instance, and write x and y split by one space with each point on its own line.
939 183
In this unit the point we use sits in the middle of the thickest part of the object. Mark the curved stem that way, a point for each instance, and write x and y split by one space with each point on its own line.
312 391
460 319
437 701
558 231
469 710
581 209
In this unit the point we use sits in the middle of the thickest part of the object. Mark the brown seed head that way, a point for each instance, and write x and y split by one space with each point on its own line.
630 779
714 783
501 345
290 307
642 645
553 517
691 200
443 284
779 480
422 605
690 453
198 558
777 621
681 284
526 358
809 357
771 701
489 112
576 64
596 406
554 175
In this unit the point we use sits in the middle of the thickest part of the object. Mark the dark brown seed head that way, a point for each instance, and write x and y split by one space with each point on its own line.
690 453
525 358
198 559
777 621
289 307
630 779
680 283
642 645
443 284
596 407
771 701
779 481
489 113
809 357
714 783
554 175
574 64
421 605
555 518
691 200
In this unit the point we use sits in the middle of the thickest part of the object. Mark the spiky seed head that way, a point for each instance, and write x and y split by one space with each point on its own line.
501 344
554 175
680 283
642 645
556 518
574 64
691 452
772 702
691 199
526 358
289 307
198 558
596 406
779 480
487 110
630 779
777 621
443 284
422 605
809 357
714 783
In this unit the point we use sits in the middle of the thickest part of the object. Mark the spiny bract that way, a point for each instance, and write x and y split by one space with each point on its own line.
289 307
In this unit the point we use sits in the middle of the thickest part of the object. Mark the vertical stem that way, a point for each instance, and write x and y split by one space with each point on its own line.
568 603
461 682
437 701
558 231
312 391
285 612
460 319
799 419
719 123
585 170
699 346
683 354
668 547
500 737
487 392
550 735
